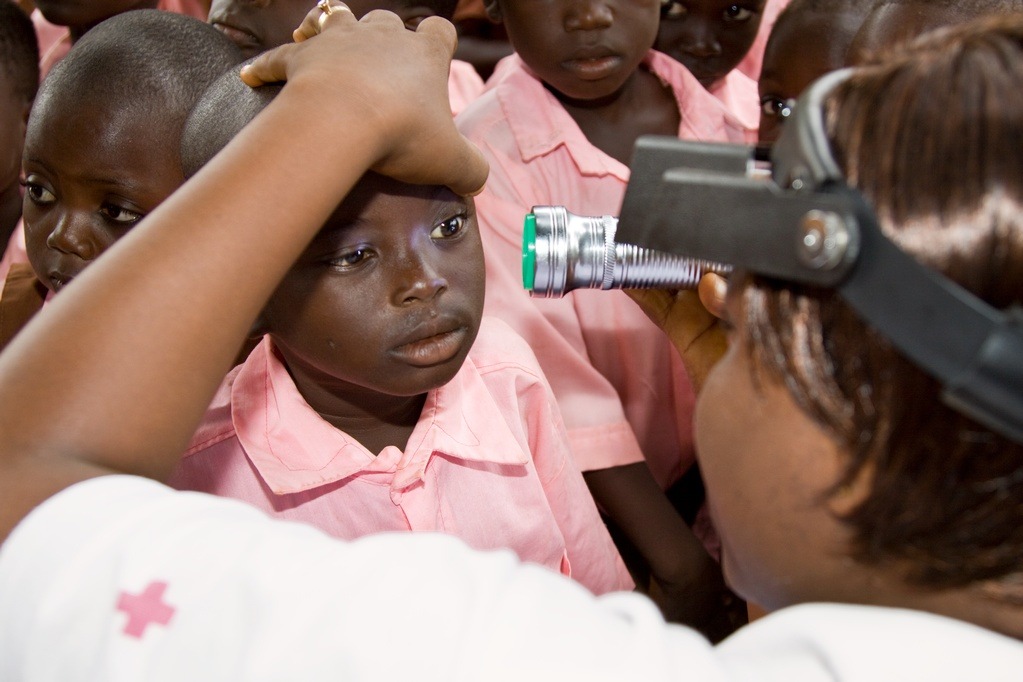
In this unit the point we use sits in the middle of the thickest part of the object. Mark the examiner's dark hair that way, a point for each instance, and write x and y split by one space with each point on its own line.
931 136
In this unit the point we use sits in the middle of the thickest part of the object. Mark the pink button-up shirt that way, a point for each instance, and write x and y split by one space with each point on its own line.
741 96
488 462
464 85
620 385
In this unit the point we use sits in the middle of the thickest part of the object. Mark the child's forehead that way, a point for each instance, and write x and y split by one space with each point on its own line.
81 108
376 200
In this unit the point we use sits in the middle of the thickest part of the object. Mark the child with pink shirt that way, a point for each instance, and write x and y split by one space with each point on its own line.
102 146
557 124
258 26
380 399
710 38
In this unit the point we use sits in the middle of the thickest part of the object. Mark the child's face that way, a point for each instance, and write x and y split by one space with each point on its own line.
889 25
91 174
768 468
801 49
259 26
87 13
386 300
583 49
710 37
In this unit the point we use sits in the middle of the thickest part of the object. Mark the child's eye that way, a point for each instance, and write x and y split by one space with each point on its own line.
120 214
777 107
351 259
451 227
37 192
670 9
737 13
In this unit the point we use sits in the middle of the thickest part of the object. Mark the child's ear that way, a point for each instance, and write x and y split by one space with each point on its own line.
493 9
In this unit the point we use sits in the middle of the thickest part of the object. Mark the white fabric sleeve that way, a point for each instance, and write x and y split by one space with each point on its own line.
120 578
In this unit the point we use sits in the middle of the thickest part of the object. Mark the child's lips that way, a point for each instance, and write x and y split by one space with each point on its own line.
593 66
433 348
58 281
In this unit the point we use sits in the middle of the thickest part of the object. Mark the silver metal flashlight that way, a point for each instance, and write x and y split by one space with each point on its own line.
562 251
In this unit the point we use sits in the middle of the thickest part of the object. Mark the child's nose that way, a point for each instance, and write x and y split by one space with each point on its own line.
73 235
700 40
588 15
421 281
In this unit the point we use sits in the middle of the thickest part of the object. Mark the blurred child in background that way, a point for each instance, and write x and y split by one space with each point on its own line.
558 123
258 26
103 142
810 38
711 37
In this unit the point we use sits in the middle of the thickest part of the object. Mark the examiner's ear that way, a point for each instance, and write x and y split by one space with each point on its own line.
847 498
493 9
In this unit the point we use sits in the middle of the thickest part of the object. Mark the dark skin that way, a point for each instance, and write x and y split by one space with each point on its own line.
589 55
92 172
709 37
256 27
81 15
801 48
382 307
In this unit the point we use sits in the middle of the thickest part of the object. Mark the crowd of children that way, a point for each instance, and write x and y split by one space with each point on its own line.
394 373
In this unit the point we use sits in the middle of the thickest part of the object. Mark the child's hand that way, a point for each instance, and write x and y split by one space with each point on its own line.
398 80
690 319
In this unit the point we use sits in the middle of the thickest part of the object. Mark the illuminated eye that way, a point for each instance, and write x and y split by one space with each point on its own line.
737 13
37 192
120 214
451 227
351 259
776 107
670 9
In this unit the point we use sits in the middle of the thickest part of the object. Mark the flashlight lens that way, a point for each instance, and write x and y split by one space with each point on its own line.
529 252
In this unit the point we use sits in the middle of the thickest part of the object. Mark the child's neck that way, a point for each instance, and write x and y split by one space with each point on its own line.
643 106
375 419
377 431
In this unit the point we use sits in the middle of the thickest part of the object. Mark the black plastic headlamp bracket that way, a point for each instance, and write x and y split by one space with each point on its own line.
798 221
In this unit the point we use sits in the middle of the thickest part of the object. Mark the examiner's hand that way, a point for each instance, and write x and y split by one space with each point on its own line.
398 80
691 321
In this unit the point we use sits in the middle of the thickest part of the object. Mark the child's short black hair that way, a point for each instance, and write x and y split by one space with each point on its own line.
225 108
19 50
155 63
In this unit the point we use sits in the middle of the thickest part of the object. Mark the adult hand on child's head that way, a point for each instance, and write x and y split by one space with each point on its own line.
396 77
690 319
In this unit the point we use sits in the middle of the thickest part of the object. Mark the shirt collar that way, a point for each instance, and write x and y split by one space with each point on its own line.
294 449
539 124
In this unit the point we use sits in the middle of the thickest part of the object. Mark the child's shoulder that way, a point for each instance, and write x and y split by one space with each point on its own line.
217 423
